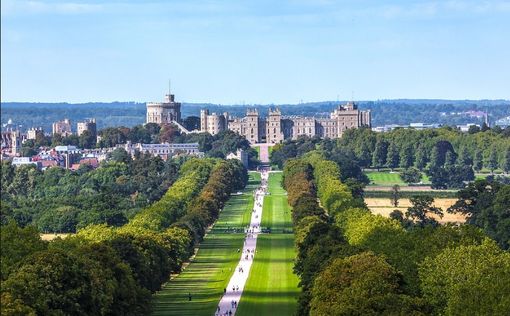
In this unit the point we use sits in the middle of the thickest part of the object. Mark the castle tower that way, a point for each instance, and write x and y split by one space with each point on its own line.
164 112
252 126
203 120
274 134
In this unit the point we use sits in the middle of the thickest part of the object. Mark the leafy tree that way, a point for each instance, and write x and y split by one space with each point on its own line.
421 158
478 161
468 280
364 155
411 175
120 155
17 244
363 284
492 160
485 205
192 123
380 154
393 157
168 133
450 159
465 158
87 140
395 195
506 162
421 210
112 136
473 129
52 282
439 153
450 176
407 156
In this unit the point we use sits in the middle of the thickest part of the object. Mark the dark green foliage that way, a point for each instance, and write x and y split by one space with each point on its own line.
411 175
450 176
486 205
362 284
58 200
421 209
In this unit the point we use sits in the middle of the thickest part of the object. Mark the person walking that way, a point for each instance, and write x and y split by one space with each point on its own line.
189 297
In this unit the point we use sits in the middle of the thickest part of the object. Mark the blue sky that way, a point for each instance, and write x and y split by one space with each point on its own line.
254 51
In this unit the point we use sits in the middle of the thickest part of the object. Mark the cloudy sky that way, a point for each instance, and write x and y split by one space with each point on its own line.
254 51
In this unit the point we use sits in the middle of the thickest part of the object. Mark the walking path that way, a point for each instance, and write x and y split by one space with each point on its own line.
232 293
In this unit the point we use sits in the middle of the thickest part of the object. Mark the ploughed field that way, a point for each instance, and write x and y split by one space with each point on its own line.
384 207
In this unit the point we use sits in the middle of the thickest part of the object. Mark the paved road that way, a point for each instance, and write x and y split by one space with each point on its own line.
238 280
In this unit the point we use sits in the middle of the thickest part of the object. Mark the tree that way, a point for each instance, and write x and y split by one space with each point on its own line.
168 133
468 280
450 159
478 161
380 154
363 284
411 175
421 158
473 129
506 162
393 157
364 155
439 152
192 123
421 210
53 281
17 244
87 140
395 195
406 156
120 155
492 160
465 158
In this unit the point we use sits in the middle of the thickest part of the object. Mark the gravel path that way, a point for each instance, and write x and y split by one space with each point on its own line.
232 294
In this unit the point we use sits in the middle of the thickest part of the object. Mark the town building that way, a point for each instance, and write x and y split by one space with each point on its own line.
87 125
68 155
11 142
24 161
164 150
34 131
165 112
275 127
212 123
240 155
62 127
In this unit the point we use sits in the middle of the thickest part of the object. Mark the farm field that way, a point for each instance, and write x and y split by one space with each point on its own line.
51 236
383 207
386 178
209 273
272 287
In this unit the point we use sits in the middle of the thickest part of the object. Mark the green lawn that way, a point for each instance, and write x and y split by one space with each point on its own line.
385 178
272 287
207 276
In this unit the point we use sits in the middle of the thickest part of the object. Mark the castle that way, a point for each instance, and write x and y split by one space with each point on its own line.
165 112
275 127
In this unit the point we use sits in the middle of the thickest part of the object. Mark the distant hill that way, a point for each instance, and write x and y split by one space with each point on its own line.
399 111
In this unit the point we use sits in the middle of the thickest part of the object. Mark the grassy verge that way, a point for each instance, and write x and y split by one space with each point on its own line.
385 178
206 277
272 286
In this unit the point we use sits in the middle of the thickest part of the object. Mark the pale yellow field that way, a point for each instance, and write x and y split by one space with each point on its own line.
383 207
49 237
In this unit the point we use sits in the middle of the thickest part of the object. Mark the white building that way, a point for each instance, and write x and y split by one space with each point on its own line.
240 155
